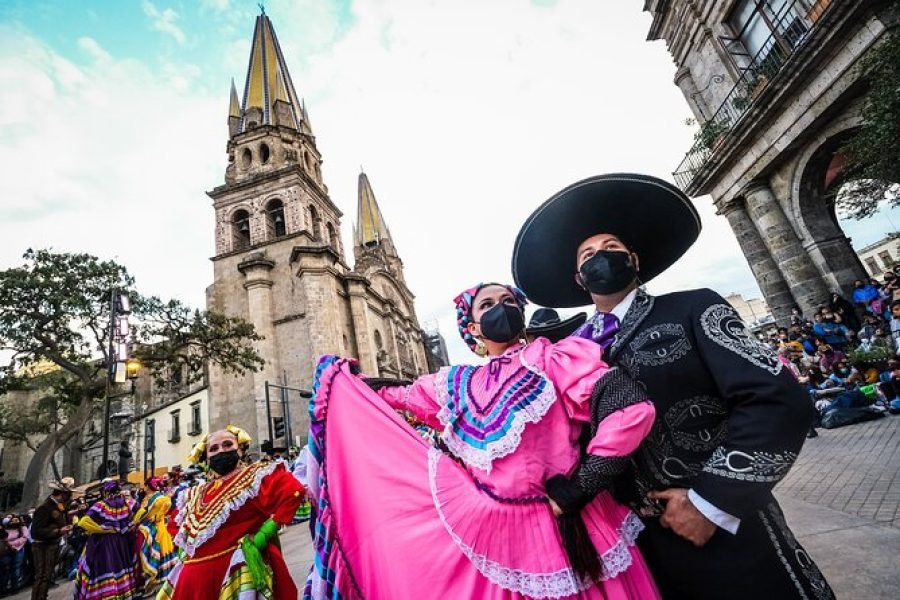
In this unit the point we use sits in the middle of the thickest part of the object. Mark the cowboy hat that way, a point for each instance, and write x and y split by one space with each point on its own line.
66 484
653 218
546 322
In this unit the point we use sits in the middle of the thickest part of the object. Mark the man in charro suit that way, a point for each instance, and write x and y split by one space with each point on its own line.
730 420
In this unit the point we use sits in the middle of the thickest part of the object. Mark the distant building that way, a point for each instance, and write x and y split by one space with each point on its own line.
166 434
753 311
435 350
881 256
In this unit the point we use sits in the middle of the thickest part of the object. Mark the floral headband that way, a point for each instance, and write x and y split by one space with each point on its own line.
464 308
198 454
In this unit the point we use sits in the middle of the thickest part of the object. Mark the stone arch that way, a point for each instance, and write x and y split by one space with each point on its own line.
332 236
315 223
240 229
815 185
276 225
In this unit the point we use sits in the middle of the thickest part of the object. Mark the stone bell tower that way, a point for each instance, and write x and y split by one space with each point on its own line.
272 214
279 261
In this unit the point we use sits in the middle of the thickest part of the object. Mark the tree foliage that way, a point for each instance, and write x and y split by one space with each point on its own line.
874 150
54 324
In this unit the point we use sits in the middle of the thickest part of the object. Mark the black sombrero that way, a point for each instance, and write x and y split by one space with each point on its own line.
546 322
651 216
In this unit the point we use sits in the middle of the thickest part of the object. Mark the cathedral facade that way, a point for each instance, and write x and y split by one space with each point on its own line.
281 265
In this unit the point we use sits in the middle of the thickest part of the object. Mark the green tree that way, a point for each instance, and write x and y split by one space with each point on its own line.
54 323
874 150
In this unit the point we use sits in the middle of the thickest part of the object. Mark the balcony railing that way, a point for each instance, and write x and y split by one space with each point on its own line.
789 31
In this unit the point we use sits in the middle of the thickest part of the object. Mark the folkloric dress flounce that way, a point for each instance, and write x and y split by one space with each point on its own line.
156 551
214 517
106 568
474 524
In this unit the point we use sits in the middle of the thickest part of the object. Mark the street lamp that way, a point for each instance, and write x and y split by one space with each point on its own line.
116 359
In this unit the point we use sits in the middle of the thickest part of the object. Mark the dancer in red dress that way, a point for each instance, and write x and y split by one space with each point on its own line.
228 527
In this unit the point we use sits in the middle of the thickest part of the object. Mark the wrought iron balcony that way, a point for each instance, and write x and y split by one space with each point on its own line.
789 32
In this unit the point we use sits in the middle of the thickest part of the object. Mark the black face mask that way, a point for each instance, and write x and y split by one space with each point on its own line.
607 272
502 323
224 463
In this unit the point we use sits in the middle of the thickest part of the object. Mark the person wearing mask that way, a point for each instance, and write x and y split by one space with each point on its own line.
828 357
730 419
228 526
48 526
827 329
863 294
489 512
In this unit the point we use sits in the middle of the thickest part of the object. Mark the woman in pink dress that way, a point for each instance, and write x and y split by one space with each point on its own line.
400 518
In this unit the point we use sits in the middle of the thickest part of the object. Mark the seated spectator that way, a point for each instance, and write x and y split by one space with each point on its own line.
863 294
895 325
844 311
891 285
841 374
867 332
825 328
828 357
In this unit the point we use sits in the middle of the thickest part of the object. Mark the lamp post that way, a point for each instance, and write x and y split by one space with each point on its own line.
117 361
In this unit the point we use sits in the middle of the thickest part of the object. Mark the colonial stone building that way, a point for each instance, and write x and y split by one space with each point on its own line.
280 262
775 88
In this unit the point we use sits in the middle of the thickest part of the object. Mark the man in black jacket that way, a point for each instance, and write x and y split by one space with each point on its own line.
48 526
730 418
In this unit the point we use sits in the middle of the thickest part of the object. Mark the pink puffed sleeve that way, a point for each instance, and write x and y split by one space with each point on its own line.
575 366
420 399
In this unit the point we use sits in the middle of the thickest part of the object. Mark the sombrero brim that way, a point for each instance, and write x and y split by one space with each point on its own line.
558 331
651 216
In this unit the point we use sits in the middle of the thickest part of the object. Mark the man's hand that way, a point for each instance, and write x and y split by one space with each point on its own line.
683 517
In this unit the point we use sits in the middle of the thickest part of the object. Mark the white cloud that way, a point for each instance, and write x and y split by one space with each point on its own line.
467 115
164 21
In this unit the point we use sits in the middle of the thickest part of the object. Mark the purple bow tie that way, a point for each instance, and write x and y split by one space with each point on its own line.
601 329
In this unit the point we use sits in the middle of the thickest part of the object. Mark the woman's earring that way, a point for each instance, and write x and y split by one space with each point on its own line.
480 348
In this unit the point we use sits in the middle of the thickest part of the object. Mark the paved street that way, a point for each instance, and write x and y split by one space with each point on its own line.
841 498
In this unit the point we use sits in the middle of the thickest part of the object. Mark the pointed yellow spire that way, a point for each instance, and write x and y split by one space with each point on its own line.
268 79
234 105
370 227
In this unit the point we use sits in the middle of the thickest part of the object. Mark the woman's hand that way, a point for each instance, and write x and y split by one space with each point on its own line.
557 511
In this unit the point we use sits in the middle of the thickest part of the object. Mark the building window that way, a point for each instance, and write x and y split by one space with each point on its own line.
332 236
196 423
264 153
275 219
241 229
765 31
150 435
175 431
874 269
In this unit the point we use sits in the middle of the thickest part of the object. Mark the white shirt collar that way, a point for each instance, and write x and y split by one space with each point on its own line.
622 307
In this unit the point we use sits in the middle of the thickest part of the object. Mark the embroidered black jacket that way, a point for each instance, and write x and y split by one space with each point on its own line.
730 419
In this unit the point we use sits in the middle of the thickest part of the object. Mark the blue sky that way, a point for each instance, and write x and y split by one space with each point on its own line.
466 115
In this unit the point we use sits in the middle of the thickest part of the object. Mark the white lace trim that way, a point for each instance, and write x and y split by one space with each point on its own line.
617 559
556 584
483 458
250 492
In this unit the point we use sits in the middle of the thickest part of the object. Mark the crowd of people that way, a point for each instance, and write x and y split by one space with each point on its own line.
119 541
628 455
846 353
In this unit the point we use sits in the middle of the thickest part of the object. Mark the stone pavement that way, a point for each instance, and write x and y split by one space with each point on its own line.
841 500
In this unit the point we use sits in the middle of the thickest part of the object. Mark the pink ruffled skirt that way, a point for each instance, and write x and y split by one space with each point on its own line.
400 519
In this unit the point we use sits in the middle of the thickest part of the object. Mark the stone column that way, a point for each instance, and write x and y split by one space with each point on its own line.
784 245
772 284
357 290
258 283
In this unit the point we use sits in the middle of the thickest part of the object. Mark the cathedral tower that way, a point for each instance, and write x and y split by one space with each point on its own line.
279 261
